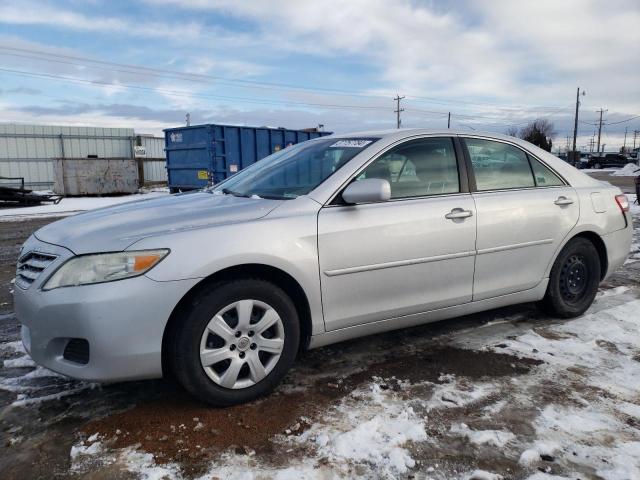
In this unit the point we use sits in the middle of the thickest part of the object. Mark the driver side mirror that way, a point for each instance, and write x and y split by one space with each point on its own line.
369 190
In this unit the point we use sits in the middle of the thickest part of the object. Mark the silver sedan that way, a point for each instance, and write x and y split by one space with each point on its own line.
327 240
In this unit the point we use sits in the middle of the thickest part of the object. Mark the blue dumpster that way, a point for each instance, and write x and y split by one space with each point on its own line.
201 155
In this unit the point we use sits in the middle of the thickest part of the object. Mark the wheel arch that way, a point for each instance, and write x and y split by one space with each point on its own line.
597 242
250 270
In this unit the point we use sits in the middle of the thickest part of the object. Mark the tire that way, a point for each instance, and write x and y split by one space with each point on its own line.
574 280
215 384
597 166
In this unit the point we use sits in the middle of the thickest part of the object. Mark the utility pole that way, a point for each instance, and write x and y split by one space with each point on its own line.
449 121
635 135
398 110
567 145
575 127
600 127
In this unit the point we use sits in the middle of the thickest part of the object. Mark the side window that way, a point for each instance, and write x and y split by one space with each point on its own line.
418 168
498 165
544 176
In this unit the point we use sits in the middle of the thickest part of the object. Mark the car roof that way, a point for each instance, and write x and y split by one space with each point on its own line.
399 133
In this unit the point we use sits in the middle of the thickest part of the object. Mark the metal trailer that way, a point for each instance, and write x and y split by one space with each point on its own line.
16 194
202 155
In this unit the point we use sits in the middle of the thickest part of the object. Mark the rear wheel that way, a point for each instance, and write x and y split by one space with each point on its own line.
237 342
597 166
574 280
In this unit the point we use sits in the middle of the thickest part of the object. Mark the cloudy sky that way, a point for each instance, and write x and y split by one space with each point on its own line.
492 64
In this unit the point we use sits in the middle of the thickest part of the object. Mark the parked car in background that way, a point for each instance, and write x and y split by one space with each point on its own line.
324 241
608 160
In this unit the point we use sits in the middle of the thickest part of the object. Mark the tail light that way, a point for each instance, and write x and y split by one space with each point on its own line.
623 202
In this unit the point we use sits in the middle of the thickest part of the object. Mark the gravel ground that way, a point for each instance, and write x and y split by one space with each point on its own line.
508 393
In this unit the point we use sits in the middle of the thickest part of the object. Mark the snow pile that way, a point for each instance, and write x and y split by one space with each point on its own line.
629 170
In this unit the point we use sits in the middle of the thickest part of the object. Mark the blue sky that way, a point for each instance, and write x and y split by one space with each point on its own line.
145 63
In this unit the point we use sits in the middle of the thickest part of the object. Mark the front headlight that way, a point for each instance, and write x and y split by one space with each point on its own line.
104 267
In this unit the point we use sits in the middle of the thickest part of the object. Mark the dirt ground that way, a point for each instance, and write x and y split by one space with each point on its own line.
44 417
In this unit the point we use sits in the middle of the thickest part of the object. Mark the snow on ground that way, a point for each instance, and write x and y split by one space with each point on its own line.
73 205
629 170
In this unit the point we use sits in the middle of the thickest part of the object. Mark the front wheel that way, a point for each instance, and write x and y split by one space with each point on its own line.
574 279
237 342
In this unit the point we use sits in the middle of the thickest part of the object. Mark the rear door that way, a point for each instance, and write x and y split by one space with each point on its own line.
408 255
524 211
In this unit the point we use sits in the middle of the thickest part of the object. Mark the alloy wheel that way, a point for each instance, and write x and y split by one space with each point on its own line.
241 344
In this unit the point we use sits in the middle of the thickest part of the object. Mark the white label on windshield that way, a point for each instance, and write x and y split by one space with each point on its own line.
350 143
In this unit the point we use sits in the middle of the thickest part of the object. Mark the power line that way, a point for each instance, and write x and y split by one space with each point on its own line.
236 82
186 94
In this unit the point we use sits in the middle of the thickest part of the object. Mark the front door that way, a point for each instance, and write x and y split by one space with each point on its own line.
411 254
524 211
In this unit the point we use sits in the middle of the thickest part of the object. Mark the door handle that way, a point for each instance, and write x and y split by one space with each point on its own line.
563 201
457 213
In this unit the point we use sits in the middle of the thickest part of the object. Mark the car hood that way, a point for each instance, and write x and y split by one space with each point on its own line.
116 228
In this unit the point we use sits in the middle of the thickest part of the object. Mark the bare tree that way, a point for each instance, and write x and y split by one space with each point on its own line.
540 132
511 131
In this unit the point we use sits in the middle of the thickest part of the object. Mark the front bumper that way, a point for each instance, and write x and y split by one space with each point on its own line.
123 323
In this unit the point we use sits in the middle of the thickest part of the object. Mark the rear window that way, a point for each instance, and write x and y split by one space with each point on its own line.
499 166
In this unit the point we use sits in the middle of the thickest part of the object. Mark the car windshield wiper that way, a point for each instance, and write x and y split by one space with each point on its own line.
226 191
275 197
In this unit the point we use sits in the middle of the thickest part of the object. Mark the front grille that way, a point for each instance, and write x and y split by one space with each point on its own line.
77 350
30 266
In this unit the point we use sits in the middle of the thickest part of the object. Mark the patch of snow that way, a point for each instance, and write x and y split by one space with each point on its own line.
613 291
484 475
82 449
529 457
378 440
548 476
458 394
24 361
495 438
375 434
144 465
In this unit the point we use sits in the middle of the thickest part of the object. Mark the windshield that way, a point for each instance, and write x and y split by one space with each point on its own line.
294 171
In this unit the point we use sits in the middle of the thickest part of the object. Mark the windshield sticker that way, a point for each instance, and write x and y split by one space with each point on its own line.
354 143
